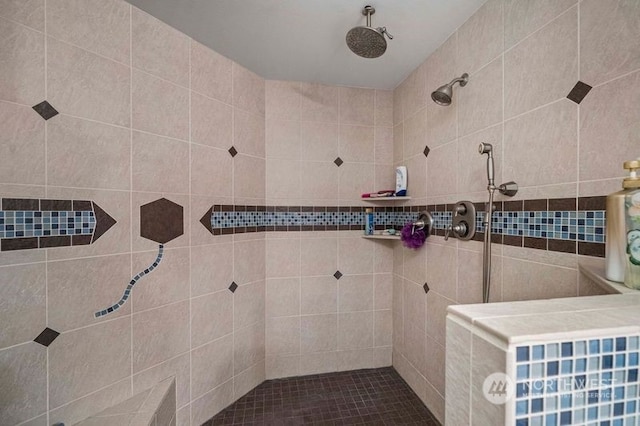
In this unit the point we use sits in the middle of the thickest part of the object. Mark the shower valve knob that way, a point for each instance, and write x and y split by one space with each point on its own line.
459 230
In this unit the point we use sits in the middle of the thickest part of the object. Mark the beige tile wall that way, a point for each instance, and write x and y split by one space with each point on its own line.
145 113
523 58
316 323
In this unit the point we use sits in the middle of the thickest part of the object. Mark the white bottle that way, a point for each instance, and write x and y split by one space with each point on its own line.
401 181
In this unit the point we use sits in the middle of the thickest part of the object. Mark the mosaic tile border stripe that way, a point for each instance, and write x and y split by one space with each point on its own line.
570 225
27 223
584 381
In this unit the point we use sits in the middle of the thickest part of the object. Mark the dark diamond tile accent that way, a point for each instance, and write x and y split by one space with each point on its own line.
46 337
361 397
338 275
45 110
233 287
160 221
578 92
233 151
338 161
426 287
426 151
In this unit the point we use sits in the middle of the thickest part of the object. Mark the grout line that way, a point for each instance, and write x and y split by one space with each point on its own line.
46 191
4 18
233 250
502 164
90 393
578 113
131 272
190 232
617 78
539 29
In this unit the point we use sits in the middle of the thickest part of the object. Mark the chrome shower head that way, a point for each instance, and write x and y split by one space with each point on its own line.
367 41
443 94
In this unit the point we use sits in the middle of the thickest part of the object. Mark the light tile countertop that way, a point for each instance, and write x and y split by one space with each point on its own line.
540 320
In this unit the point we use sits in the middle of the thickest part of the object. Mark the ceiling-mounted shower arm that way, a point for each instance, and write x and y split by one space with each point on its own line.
368 11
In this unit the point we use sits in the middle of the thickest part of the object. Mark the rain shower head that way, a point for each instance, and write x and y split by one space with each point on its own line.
443 94
367 41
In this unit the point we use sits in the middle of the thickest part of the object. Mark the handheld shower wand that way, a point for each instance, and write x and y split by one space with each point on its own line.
486 148
509 189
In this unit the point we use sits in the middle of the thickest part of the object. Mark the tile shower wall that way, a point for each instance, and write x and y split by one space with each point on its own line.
144 113
524 59
328 292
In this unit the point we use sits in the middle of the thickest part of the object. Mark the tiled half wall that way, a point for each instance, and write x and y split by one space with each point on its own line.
567 225
593 382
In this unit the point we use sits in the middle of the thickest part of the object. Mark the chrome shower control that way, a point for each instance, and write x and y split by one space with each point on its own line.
457 230
464 214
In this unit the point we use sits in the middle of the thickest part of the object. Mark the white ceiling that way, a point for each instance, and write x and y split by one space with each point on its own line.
304 40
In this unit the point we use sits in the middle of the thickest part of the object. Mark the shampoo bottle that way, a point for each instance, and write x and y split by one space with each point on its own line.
616 257
632 216
368 222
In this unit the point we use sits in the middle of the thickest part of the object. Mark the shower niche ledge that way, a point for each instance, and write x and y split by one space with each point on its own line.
596 273
382 237
385 198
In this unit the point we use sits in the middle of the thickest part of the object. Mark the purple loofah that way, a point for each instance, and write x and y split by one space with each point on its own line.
413 240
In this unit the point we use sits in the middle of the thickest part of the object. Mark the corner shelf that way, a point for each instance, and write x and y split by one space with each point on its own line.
382 237
385 198
597 275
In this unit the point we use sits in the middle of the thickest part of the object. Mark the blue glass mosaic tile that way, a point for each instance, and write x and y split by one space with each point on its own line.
591 382
46 223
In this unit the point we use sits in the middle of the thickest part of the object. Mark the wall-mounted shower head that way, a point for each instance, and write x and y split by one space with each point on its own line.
367 41
443 94
487 148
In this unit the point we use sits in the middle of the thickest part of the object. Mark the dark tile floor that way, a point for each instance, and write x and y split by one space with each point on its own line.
362 397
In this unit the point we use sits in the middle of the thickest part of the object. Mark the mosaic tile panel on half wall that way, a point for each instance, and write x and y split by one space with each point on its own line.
567 225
